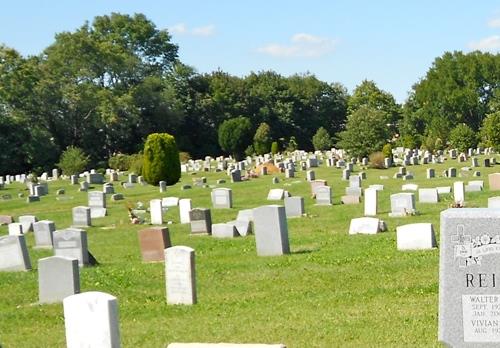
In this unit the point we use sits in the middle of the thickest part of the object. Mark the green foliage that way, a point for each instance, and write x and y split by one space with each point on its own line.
262 139
462 137
234 135
490 131
184 156
73 161
387 150
432 143
366 132
250 151
275 148
408 141
322 140
292 144
136 163
161 159
377 160
120 161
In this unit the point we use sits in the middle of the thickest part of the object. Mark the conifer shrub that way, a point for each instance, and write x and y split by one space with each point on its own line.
161 159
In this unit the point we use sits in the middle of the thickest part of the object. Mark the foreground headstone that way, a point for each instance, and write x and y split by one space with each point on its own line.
494 202
469 295
15 229
43 231
14 254
58 277
180 275
153 242
72 243
415 236
91 320
271 230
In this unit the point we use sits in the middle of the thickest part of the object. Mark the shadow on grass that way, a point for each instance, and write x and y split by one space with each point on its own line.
303 251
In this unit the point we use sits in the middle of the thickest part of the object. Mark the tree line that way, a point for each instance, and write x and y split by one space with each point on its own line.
107 85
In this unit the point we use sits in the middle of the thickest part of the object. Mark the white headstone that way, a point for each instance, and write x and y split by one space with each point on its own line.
415 236
155 209
185 206
180 275
371 201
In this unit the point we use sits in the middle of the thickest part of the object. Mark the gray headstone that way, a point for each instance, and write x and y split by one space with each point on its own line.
43 231
97 204
323 195
27 221
224 231
222 198
271 230
294 206
201 221
469 295
72 243
81 217
14 254
402 204
58 277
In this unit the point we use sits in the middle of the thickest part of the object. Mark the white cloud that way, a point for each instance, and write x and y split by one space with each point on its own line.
488 44
494 23
302 45
182 29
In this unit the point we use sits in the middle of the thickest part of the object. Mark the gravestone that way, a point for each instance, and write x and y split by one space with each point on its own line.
452 172
494 181
431 173
275 194
323 195
170 202
402 204
469 295
113 176
27 221
201 221
132 178
310 175
14 254
95 178
108 189
350 199
6 219
315 184
354 181
409 187
222 198
371 201
294 206
428 195
346 173
415 236
91 320
43 231
364 225
156 212
442 190
224 230
235 176
271 230
163 186
153 241
185 206
289 173
117 197
84 186
74 179
72 243
97 204
180 276
81 217
15 229
58 277
459 193
494 202
353 191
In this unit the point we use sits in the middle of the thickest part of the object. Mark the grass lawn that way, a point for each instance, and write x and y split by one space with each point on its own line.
333 290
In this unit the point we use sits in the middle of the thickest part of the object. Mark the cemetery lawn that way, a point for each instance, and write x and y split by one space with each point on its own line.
333 290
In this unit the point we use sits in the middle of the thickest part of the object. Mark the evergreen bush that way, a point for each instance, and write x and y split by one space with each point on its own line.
161 159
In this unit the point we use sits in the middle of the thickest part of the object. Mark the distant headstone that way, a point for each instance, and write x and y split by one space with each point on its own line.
81 217
201 221
84 186
271 230
170 201
6 219
235 176
73 179
27 221
452 172
459 193
310 175
350 199
163 186
58 277
275 195
108 189
91 320
180 275
185 206
415 236
402 204
364 225
294 206
409 187
371 194
428 195
324 195
14 254
72 243
117 197
43 231
95 178
97 204
153 241
155 209
431 173
443 190
222 198
132 178
468 276
494 181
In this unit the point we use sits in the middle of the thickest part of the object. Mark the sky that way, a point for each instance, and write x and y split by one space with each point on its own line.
392 42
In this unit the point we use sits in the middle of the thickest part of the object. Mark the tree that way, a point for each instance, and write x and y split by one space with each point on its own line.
262 139
161 159
322 140
490 131
462 137
73 161
366 132
235 135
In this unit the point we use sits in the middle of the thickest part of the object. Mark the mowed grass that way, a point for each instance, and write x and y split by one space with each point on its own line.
333 290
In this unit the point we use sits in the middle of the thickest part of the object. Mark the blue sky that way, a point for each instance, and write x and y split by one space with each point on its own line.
391 42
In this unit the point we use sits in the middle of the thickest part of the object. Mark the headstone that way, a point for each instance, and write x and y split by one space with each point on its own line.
271 230
371 201
95 178
180 275
155 209
201 221
350 199
235 176
443 190
117 197
402 204
153 241
72 243
486 162
315 184
345 174
132 178
74 179
6 219
58 277
324 195
43 231
275 194
14 254
289 173
84 186
185 206
310 175
354 191
364 225
452 172
428 195
163 186
108 189
468 290
91 320
494 181
113 176
27 221
415 236
224 231
97 204
294 206
81 217
459 193
431 173
170 201
494 202
15 229
222 198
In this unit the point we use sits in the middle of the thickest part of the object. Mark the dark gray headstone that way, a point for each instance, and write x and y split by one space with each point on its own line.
201 221
58 277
